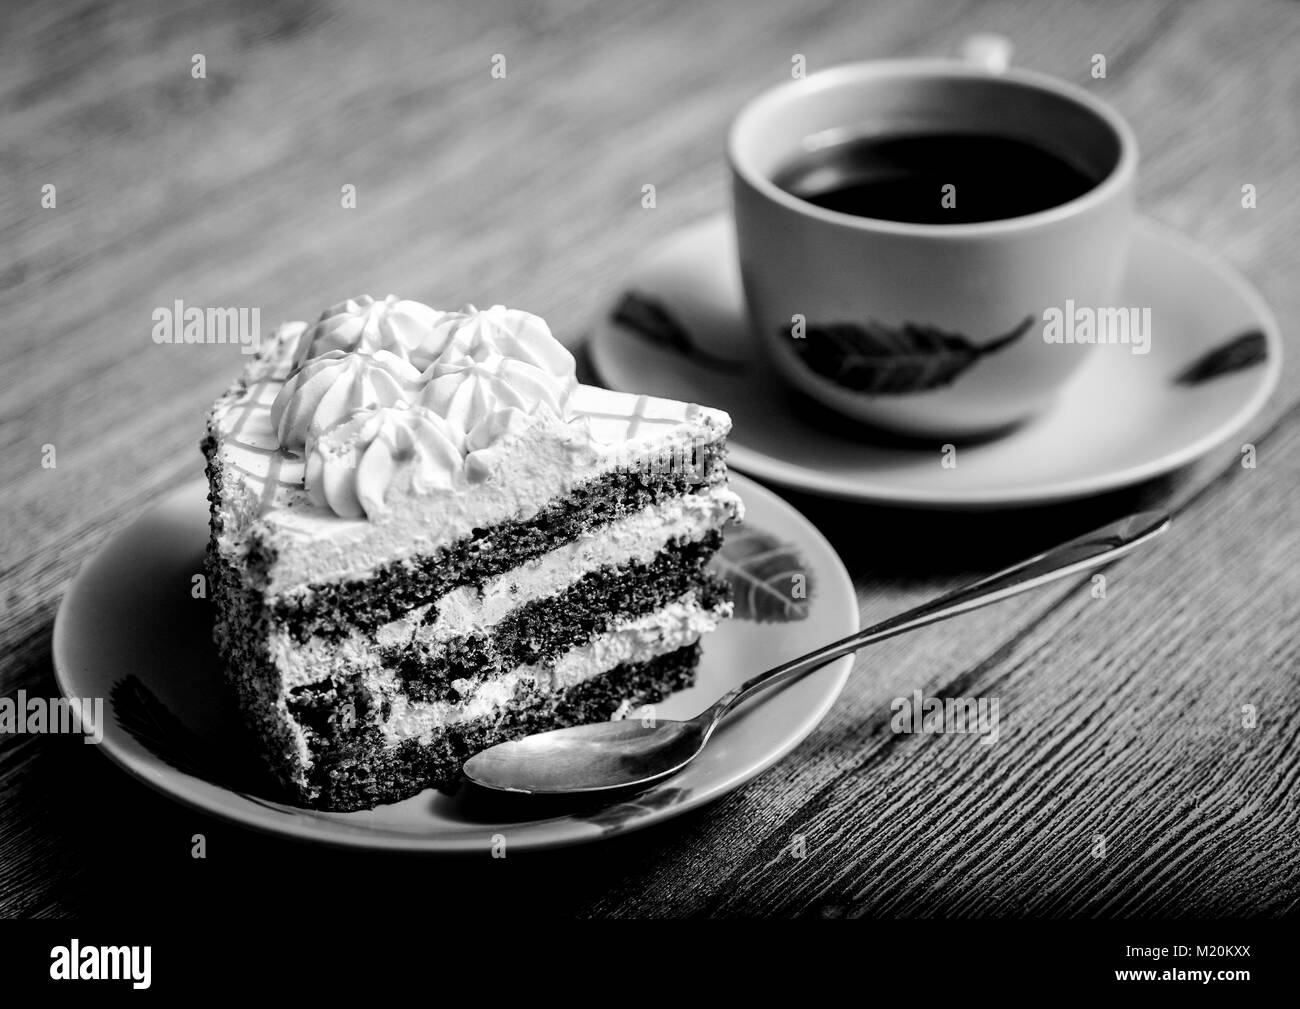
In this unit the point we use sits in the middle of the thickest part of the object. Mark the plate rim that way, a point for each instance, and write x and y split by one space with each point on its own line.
262 817
794 476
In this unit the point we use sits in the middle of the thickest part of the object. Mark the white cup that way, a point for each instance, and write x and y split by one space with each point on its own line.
927 329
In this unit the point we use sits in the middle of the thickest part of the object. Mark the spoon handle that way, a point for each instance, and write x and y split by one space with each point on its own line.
1088 551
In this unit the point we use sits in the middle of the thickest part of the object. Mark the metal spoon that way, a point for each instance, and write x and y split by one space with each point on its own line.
605 755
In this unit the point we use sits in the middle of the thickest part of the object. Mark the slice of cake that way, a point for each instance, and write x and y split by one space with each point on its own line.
428 538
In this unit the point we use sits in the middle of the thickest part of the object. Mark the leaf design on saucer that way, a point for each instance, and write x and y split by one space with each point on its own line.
650 320
770 582
887 360
1245 350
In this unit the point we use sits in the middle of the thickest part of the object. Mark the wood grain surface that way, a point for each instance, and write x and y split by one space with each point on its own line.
1121 717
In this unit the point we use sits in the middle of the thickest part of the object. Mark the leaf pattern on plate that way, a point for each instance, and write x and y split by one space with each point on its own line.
1245 350
653 322
770 582
887 360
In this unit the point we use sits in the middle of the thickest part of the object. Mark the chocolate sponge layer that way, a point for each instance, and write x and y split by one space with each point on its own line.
543 629
358 769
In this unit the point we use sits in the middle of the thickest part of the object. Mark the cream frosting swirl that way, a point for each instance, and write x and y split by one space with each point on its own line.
470 391
382 388
352 470
409 329
480 334
328 389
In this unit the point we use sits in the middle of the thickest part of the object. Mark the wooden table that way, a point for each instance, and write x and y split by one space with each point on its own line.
1120 717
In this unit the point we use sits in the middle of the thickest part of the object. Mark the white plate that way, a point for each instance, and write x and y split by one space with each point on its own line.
1122 419
129 631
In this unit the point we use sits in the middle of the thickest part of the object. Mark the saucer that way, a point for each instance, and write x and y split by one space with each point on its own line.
676 329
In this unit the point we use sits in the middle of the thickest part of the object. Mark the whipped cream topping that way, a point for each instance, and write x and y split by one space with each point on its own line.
409 329
351 472
504 332
382 390
471 391
482 443
328 389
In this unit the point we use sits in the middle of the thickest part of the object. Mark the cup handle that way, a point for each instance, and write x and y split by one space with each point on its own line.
987 50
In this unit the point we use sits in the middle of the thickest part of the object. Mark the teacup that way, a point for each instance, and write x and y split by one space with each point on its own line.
930 329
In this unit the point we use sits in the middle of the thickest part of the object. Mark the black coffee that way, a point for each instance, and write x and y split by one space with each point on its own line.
906 178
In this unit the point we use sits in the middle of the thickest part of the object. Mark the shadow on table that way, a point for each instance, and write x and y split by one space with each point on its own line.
109 844
905 544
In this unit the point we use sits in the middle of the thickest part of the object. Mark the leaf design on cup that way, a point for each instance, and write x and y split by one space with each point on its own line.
893 360
650 320
1241 351
769 580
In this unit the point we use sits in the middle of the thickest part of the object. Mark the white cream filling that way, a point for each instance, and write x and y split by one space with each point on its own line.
465 610
672 627
637 538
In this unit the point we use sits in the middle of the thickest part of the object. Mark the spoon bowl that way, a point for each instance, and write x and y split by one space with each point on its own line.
589 758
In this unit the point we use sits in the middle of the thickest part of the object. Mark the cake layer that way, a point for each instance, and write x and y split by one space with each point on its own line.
264 519
541 631
464 620
366 769
635 539
534 632
367 719
637 640
376 694
390 591
371 721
